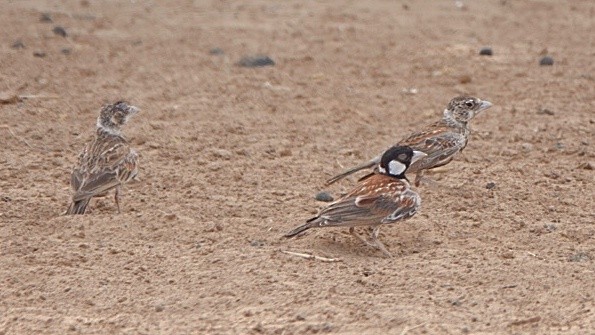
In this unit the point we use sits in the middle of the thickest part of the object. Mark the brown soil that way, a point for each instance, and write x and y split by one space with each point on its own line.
232 158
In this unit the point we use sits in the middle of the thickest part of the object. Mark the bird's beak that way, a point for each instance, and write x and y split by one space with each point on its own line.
417 155
484 105
133 110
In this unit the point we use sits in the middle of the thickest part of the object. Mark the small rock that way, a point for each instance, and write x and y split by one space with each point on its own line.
486 51
256 61
216 51
222 153
527 147
159 308
546 61
491 185
18 44
45 17
257 243
39 54
465 79
58 30
66 51
545 111
579 257
324 196
550 227
587 166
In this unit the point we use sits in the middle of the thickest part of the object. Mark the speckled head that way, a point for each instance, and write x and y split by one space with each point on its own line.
113 116
465 108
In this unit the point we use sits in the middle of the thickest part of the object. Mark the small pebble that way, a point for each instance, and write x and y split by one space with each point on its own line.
18 44
60 31
45 17
256 61
587 166
545 111
66 51
579 257
527 147
39 54
491 185
546 61
257 243
465 79
216 51
324 196
486 51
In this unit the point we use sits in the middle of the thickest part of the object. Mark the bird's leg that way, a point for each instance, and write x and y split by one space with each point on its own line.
117 198
375 242
359 237
418 177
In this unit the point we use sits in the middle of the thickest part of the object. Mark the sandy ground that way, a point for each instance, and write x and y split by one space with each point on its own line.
232 157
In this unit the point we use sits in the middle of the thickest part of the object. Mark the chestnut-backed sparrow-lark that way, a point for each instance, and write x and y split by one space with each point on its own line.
380 198
107 162
441 140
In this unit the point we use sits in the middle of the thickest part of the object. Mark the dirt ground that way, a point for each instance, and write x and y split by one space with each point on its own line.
232 157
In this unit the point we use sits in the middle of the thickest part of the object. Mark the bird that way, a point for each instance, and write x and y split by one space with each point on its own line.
440 140
107 162
382 197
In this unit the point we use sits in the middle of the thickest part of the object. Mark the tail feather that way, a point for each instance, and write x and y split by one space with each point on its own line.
353 170
78 207
309 224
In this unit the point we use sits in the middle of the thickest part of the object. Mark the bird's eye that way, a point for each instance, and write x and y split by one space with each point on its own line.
469 103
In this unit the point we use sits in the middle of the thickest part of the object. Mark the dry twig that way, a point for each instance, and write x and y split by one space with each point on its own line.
308 256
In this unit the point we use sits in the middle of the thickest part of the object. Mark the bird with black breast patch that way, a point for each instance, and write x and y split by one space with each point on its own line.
380 198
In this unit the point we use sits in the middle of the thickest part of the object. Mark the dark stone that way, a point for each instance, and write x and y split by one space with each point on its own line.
545 111
486 51
66 51
216 51
45 17
18 44
39 54
58 30
256 61
257 243
546 61
324 196
491 185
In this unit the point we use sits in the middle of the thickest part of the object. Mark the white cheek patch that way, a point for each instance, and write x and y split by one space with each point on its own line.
396 168
381 169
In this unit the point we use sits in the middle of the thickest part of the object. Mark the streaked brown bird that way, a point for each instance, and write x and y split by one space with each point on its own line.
440 141
105 163
381 198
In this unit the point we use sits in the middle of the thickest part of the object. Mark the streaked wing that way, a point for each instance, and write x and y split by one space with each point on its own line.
369 204
108 162
408 204
439 142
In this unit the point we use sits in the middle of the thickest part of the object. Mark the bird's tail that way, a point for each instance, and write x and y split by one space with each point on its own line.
352 170
309 224
77 207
